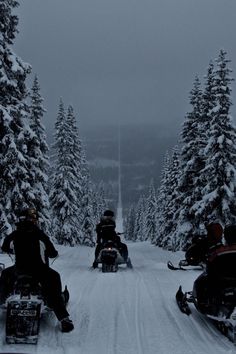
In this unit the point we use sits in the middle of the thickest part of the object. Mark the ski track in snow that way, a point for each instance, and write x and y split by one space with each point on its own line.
128 312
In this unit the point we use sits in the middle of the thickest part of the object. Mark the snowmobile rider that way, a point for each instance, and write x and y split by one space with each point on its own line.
106 228
197 251
26 241
202 288
105 232
202 245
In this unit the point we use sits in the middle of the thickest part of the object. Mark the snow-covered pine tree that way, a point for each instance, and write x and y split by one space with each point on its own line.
172 205
88 226
65 180
88 222
162 197
140 225
80 165
219 176
208 105
14 176
157 239
99 200
38 163
208 99
151 220
191 163
130 224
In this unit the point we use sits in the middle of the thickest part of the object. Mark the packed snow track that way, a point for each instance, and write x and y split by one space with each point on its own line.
132 311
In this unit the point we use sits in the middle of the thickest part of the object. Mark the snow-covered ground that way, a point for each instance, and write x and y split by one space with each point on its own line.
128 312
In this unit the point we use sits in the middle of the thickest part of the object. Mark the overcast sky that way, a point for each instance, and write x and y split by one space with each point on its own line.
124 60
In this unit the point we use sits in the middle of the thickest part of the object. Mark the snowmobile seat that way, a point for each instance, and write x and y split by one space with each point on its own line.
26 285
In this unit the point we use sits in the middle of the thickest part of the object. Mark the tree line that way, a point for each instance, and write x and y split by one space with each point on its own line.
198 180
55 181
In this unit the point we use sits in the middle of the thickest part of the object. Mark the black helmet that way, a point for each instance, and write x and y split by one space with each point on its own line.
29 214
108 213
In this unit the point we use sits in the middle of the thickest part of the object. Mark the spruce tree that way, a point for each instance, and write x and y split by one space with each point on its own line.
219 175
64 184
88 222
88 225
172 205
191 163
99 200
151 221
15 190
38 158
162 200
208 105
140 225
208 100
130 224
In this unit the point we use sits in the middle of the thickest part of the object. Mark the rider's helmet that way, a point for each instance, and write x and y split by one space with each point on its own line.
214 233
29 214
108 217
108 213
230 234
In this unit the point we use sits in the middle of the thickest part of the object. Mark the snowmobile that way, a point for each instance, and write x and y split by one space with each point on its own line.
215 299
189 263
195 256
24 308
110 258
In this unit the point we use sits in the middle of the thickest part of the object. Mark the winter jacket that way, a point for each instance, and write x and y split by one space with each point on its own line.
105 230
197 252
26 241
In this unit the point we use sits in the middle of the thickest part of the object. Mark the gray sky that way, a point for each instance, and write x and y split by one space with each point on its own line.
124 60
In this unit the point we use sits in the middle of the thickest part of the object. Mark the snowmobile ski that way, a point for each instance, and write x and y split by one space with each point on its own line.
171 266
182 303
195 265
129 264
182 266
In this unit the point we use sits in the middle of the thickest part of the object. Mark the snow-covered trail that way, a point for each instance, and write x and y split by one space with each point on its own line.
128 312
